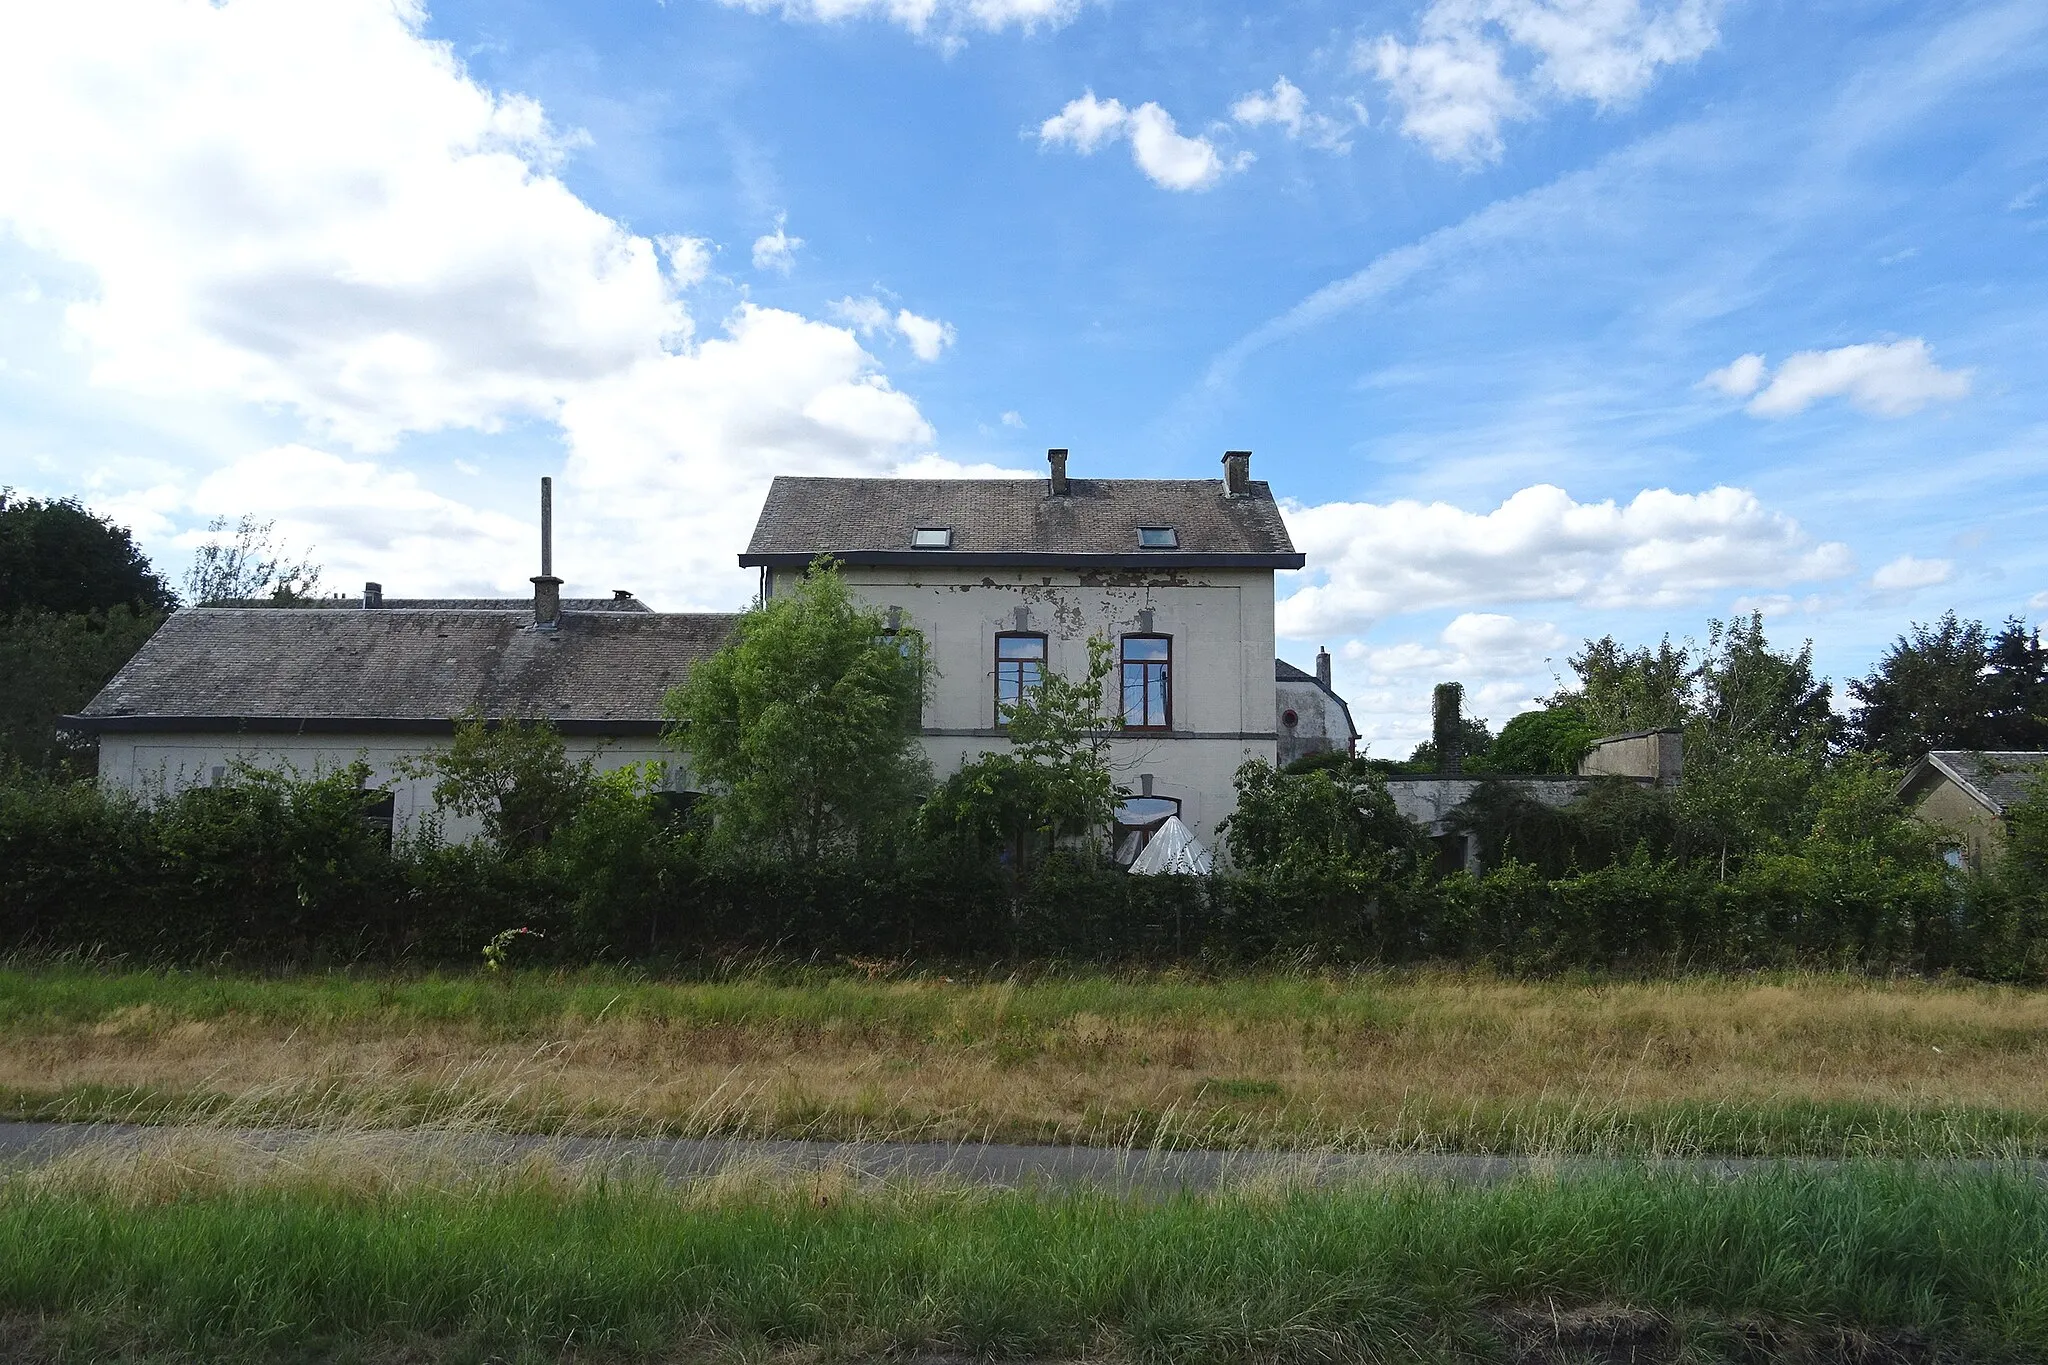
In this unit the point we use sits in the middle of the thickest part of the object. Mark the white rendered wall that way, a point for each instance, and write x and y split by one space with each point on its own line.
1220 621
150 765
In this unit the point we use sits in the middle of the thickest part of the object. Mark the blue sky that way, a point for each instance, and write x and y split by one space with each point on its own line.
1547 318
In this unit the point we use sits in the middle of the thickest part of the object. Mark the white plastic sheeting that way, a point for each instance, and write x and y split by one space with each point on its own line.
1174 849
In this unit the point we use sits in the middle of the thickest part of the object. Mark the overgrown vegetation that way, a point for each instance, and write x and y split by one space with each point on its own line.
194 1259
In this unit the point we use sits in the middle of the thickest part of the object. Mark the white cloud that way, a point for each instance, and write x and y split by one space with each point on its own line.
1739 378
1014 419
1505 664
1884 378
1661 549
926 337
314 208
361 521
1456 87
1907 573
777 250
2038 602
1168 159
1287 107
949 18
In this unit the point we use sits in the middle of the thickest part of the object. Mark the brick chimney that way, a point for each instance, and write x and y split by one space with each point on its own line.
1237 473
1058 460
547 589
1323 667
373 595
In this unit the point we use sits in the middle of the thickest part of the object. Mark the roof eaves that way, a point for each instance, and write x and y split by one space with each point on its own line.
1026 559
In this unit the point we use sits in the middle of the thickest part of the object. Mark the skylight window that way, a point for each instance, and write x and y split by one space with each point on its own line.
1158 538
932 538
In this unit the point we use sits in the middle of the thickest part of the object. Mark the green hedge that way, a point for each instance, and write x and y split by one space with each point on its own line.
268 869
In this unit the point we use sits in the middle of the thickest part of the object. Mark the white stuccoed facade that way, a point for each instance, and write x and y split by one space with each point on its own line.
1220 623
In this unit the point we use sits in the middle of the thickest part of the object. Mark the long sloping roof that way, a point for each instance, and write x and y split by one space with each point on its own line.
401 669
1020 522
1994 779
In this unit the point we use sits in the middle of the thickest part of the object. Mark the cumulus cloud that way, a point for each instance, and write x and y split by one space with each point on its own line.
1907 573
777 250
1286 107
1475 65
926 337
948 19
1660 549
313 207
1505 663
1168 159
1883 378
361 521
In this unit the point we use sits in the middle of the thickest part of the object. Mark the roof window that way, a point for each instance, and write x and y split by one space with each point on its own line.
1158 538
932 538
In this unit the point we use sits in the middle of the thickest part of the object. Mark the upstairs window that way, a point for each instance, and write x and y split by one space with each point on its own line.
932 538
1020 663
1148 694
1158 538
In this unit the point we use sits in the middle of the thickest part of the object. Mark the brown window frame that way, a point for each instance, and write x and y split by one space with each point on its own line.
1125 664
1043 660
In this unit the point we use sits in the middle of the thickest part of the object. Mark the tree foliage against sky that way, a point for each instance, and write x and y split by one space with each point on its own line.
241 563
805 725
1955 685
57 557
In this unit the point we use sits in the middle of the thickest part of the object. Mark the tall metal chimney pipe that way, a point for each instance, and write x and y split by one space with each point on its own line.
547 589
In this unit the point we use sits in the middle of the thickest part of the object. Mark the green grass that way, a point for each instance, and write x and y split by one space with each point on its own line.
528 1267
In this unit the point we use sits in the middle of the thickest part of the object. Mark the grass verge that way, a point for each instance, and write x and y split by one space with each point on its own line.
1792 1066
191 1258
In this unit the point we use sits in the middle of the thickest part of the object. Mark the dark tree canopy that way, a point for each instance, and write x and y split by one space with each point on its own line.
57 557
1953 685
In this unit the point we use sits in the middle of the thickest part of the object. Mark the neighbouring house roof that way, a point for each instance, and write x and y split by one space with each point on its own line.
1994 779
1019 522
1287 672
403 669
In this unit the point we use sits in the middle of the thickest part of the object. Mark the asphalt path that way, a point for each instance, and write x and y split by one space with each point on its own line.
997 1165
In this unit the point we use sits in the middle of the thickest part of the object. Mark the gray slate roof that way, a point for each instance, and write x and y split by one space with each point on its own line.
1019 522
1995 779
403 669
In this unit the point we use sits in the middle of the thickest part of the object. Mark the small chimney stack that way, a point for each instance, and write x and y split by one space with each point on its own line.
1323 667
1445 732
547 589
373 595
622 594
1058 460
1237 473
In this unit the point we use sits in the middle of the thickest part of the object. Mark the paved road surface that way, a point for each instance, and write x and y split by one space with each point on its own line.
994 1164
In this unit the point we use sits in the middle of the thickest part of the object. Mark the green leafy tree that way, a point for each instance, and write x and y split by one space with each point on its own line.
1326 818
242 564
53 664
1054 783
805 724
1953 685
1622 690
1750 694
1552 740
57 557
77 599
514 775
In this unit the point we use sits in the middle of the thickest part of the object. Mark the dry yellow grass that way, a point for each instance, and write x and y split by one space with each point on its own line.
1432 1060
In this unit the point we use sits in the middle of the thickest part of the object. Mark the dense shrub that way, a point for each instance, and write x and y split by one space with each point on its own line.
270 868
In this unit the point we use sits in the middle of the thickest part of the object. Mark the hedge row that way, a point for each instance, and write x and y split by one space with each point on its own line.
271 870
